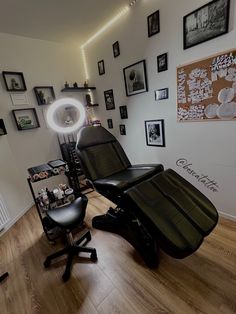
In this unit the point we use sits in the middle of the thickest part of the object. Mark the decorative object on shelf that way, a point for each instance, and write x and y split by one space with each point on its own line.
162 62
101 67
110 123
123 112
155 135
3 130
122 129
75 85
86 84
161 94
116 49
153 21
109 99
66 85
26 119
14 81
135 78
19 99
44 95
207 22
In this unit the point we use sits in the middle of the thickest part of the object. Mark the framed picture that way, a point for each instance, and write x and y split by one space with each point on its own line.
3 130
162 62
101 67
135 78
123 112
44 95
26 119
122 129
14 81
110 123
153 21
116 49
161 94
109 99
207 22
155 135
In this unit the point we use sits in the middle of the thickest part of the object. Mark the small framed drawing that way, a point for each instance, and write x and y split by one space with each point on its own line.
162 62
155 135
116 49
135 78
205 23
3 130
101 67
44 95
153 21
161 94
110 123
109 99
14 81
26 119
123 112
122 129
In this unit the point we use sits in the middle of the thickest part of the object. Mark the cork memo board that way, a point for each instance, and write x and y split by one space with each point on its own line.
206 89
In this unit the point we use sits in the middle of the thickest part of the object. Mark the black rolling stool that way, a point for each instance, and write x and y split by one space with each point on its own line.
69 217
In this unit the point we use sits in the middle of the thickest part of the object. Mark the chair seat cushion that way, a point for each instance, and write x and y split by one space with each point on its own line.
177 213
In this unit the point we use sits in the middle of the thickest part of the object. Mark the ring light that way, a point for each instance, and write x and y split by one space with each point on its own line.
51 115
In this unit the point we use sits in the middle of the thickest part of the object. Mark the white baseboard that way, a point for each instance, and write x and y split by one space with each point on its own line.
14 220
228 216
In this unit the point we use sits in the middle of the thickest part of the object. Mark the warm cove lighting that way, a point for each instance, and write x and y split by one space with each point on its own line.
65 102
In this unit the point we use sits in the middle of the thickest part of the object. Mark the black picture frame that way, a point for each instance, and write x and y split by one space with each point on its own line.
122 129
26 119
207 22
110 123
162 62
116 49
135 78
3 130
14 81
162 93
44 95
109 99
155 133
153 22
123 112
101 67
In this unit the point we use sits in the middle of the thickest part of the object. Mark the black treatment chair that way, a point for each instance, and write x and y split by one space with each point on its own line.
155 208
70 217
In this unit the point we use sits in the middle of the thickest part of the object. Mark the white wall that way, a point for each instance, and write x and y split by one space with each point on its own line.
209 146
43 63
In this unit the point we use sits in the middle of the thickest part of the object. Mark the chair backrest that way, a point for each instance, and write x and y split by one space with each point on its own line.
100 153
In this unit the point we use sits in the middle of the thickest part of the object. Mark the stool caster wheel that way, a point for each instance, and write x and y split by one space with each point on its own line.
66 277
47 263
93 256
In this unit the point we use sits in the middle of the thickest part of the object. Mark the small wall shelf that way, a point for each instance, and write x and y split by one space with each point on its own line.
76 89
92 105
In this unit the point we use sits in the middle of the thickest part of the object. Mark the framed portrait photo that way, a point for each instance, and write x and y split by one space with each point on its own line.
162 62
161 94
110 123
26 119
122 129
14 81
44 95
109 99
116 49
101 67
155 134
135 78
153 21
123 112
205 23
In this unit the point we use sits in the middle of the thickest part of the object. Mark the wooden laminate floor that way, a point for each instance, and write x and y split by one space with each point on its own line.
119 282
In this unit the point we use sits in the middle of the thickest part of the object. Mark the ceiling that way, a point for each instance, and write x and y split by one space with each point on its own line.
69 21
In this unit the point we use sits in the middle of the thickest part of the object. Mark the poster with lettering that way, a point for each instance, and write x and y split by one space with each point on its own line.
206 89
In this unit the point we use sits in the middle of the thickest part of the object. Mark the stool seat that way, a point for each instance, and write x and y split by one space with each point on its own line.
70 215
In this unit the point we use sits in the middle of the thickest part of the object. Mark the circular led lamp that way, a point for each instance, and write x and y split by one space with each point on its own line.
57 105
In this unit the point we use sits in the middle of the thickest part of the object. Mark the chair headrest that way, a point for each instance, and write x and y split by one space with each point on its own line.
93 135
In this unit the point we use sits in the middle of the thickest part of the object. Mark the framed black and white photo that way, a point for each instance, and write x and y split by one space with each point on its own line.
205 23
153 21
162 62
109 99
155 134
116 49
110 123
44 95
161 94
135 78
26 119
14 81
101 67
3 130
122 129
123 112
